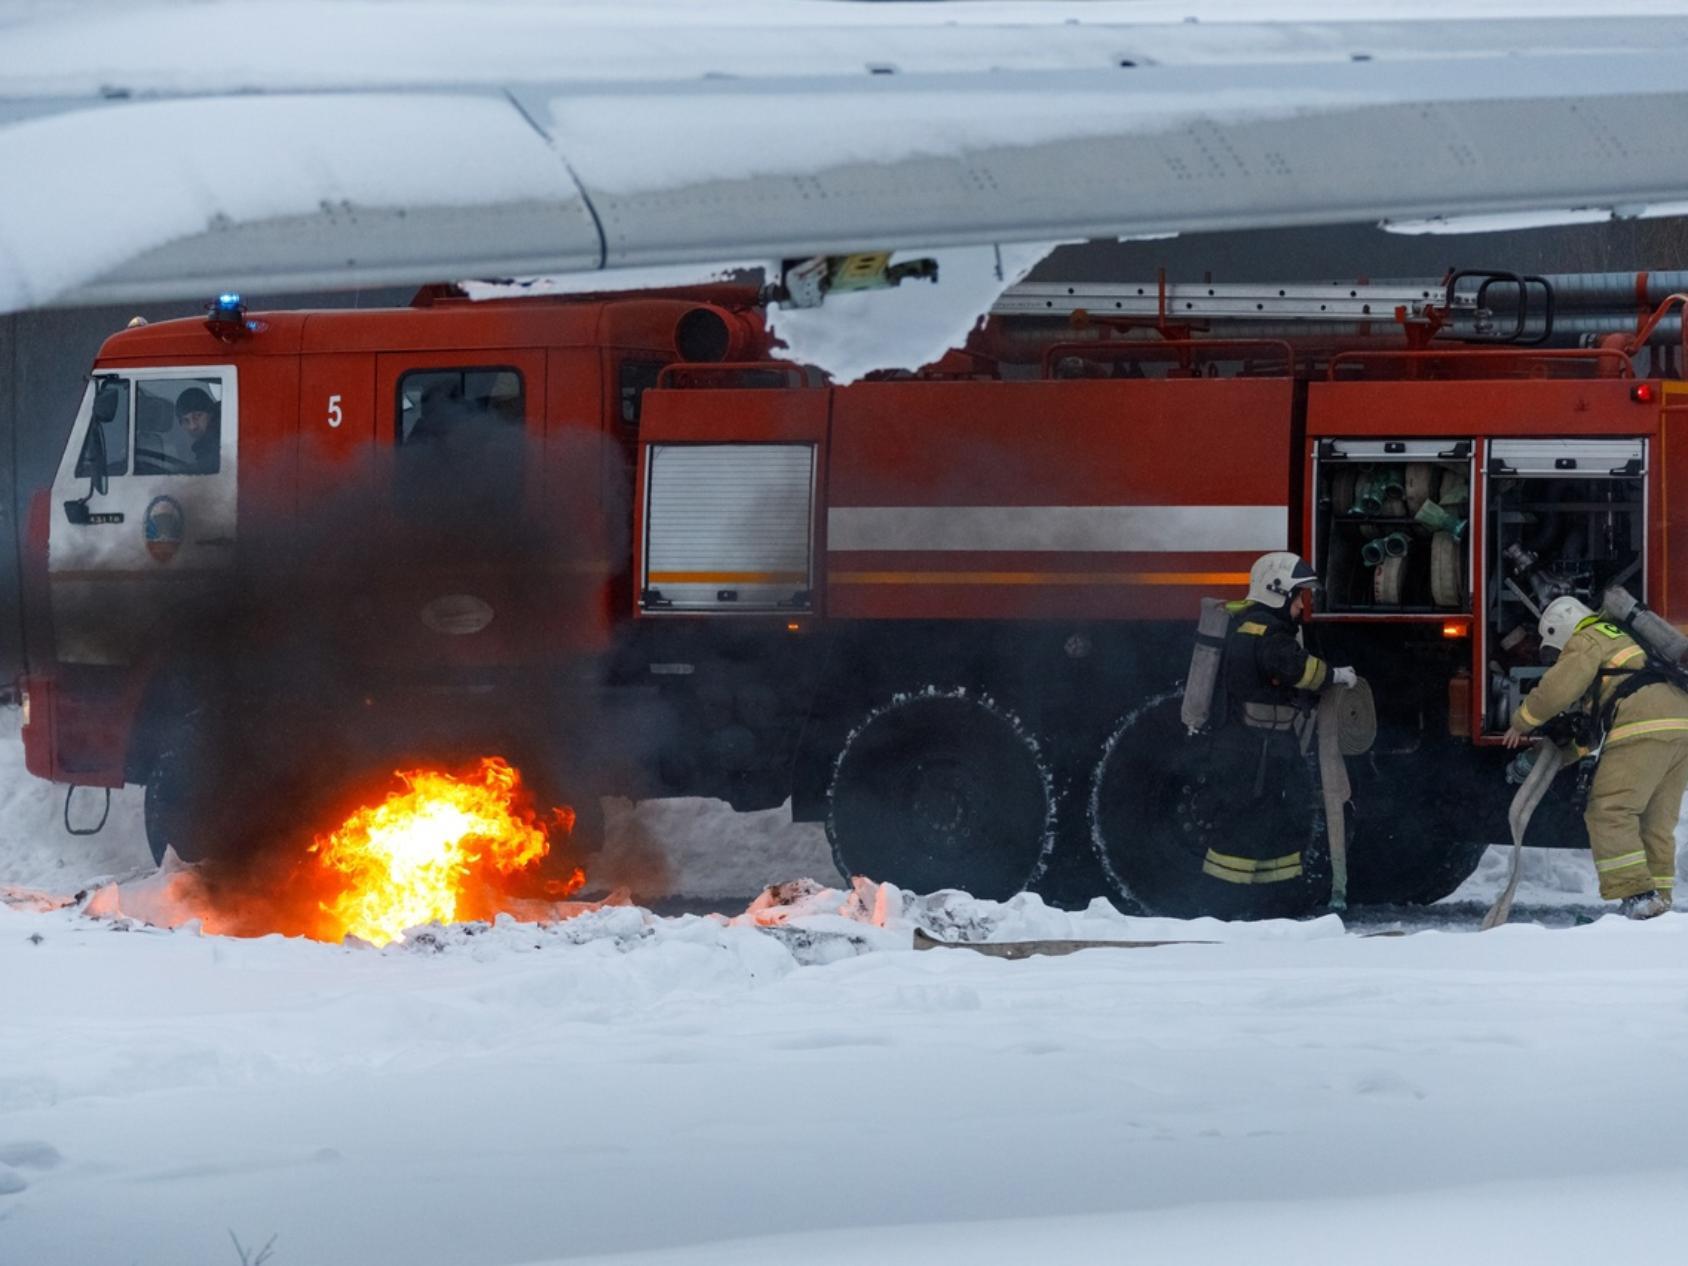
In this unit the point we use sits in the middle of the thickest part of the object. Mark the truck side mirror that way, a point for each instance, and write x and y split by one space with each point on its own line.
94 453
99 481
77 511
105 405
107 400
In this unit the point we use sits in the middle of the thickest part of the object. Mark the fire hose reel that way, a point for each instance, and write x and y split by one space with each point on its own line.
1356 719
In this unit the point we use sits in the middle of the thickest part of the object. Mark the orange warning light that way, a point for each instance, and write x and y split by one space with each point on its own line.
1456 628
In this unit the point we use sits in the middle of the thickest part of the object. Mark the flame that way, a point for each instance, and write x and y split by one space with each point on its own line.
441 850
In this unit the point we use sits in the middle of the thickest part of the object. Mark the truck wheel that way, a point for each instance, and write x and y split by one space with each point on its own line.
169 820
941 790
1421 825
1445 875
1228 825
1408 862
232 779
182 798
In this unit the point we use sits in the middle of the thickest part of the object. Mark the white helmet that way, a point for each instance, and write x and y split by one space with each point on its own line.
1560 620
1274 577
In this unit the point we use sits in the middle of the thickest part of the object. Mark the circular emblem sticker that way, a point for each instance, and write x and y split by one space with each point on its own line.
164 524
457 613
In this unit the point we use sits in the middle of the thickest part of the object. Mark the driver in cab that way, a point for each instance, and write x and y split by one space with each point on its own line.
198 438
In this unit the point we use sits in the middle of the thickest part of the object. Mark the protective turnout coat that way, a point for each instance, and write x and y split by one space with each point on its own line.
1270 682
1637 792
1597 661
1265 663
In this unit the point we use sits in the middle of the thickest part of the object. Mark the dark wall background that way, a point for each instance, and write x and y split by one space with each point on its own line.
45 355
1356 251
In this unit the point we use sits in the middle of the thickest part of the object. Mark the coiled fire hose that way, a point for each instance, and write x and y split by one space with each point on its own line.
1550 759
1347 726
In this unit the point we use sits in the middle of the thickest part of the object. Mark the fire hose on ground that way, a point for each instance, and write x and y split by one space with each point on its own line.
1550 759
1346 722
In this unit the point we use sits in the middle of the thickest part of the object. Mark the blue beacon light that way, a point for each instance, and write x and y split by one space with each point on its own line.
226 317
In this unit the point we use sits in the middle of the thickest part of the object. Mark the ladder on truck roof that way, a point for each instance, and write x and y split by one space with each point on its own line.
1471 305
1204 301
1523 307
1476 305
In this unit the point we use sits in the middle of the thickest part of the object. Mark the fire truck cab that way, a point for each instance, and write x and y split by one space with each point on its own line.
404 538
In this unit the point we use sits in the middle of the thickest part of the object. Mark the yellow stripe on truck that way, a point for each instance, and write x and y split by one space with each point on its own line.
727 578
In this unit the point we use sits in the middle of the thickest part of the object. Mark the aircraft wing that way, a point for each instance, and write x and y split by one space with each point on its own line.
173 151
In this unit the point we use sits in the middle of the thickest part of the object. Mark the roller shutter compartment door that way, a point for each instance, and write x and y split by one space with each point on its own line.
1569 459
727 527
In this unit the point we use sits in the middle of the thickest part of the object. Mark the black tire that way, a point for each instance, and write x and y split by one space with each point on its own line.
170 814
1420 825
1412 863
1161 802
1450 867
189 801
941 790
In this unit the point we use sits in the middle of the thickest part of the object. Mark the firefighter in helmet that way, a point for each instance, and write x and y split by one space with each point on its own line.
1270 677
1270 684
1601 675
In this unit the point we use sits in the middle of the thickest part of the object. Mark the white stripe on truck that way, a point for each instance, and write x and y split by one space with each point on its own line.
1074 529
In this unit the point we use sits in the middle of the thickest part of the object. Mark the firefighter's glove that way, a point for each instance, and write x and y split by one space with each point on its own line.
1344 677
1513 736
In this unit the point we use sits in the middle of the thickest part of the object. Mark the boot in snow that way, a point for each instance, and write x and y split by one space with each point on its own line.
1643 905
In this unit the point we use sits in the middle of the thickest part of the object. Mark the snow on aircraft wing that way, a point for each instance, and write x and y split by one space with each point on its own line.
162 152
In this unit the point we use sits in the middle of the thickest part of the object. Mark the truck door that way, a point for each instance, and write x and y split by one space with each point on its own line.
144 507
457 450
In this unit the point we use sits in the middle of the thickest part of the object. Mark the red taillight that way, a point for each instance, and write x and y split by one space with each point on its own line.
1642 393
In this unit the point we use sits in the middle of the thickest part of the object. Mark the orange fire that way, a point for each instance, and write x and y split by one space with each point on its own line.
443 849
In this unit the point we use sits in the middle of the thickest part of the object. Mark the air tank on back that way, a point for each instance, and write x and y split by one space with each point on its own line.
1203 677
1659 635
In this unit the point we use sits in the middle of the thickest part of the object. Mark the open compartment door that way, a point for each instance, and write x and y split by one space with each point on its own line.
1390 528
1669 526
1562 516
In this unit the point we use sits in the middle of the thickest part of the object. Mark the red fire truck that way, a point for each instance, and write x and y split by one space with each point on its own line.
947 613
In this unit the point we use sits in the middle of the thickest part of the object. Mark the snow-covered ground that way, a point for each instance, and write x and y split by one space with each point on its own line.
791 1081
